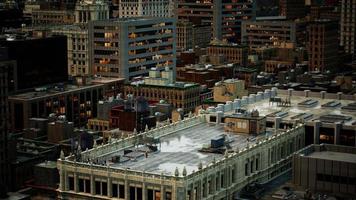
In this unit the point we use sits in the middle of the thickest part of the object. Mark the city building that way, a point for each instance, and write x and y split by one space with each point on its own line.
228 90
258 34
246 123
78 36
40 61
326 168
157 8
193 158
60 129
292 9
225 17
77 103
28 154
77 49
323 45
348 25
160 86
190 36
52 17
86 11
205 74
132 46
4 128
229 52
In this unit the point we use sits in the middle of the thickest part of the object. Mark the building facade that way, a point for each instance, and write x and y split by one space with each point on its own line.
323 45
258 34
225 18
128 48
78 103
86 11
232 53
52 17
4 128
185 96
190 35
78 36
348 26
140 8
77 49
216 178
44 57
292 9
326 168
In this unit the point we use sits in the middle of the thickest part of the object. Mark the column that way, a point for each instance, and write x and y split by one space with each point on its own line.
317 125
163 193
109 185
144 192
76 182
92 184
337 130
127 189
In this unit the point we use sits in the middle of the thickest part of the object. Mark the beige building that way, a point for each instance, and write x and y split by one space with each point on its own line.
326 168
77 48
52 17
246 123
107 172
228 90
78 36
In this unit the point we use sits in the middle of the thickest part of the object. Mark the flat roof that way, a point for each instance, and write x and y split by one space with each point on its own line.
181 149
335 156
314 112
50 92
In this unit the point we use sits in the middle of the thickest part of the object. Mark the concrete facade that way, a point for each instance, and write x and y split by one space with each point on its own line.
128 48
348 26
140 8
326 168
259 34
225 17
219 179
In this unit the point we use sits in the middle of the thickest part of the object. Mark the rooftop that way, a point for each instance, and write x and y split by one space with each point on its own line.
48 91
180 149
315 111
335 156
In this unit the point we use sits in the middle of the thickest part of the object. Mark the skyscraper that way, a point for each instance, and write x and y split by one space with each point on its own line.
4 125
348 26
292 9
323 45
225 17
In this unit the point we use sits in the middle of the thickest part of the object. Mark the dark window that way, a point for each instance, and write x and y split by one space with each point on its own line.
97 188
121 191
104 188
81 185
87 186
114 190
139 193
71 183
150 194
132 193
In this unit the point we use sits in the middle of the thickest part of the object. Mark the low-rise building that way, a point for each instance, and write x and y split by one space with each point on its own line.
77 103
228 90
326 168
188 159
52 17
232 53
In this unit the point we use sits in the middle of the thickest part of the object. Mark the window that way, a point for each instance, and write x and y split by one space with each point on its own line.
71 183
